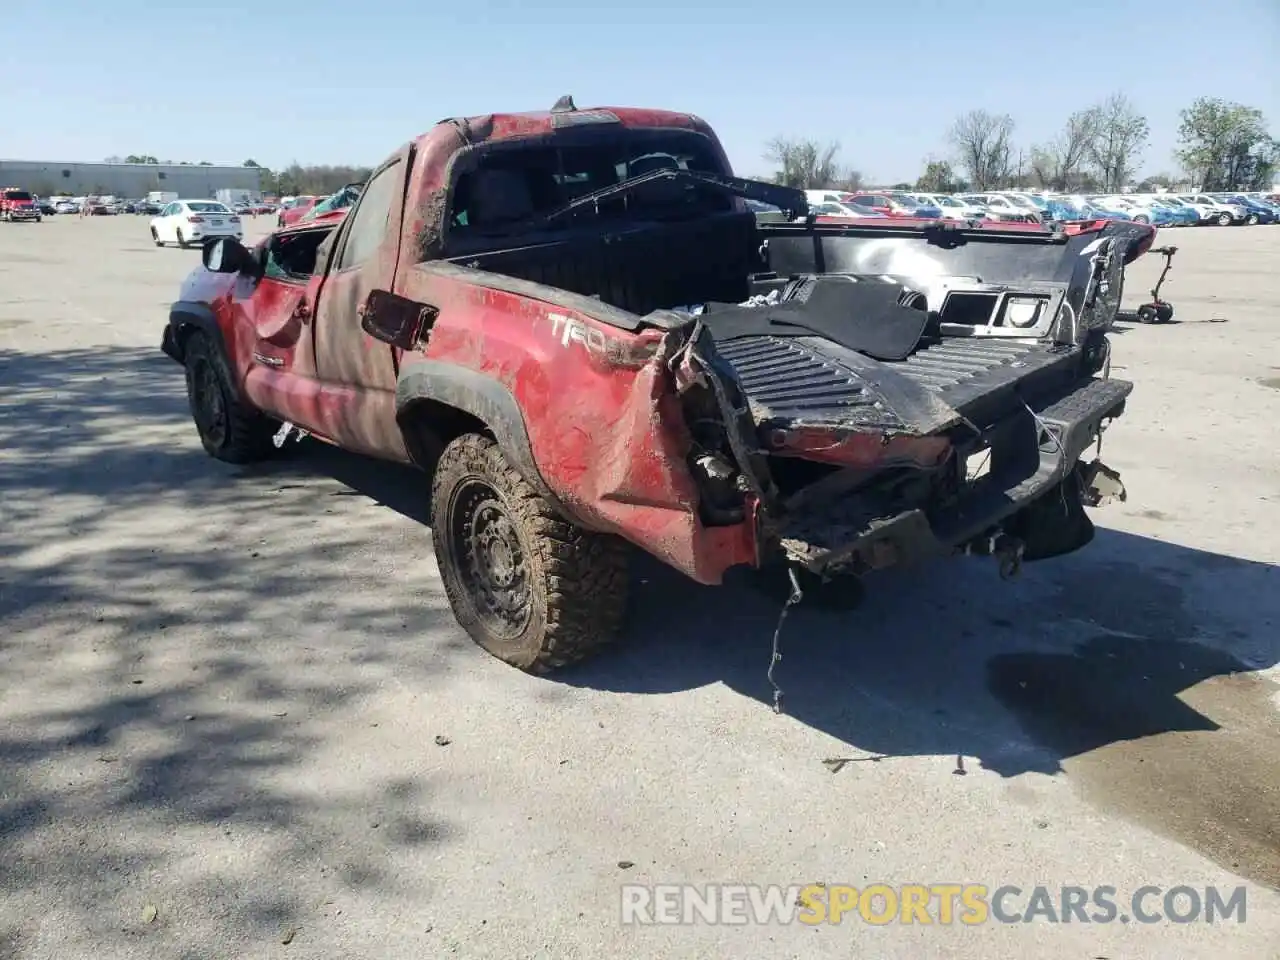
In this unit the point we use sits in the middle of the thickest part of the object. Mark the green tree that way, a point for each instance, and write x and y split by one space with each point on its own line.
938 177
140 158
1226 146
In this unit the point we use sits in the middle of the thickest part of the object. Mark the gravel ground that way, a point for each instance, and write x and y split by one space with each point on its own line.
235 710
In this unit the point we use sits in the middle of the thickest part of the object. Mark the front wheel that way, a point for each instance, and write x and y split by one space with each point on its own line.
229 429
182 241
1141 219
155 238
531 588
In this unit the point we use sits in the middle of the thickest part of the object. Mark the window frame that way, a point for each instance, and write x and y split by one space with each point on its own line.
337 258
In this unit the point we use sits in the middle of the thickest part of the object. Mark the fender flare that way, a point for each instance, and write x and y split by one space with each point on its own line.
187 316
483 397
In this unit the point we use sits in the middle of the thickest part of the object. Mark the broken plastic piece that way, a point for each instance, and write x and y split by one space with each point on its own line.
282 434
1102 485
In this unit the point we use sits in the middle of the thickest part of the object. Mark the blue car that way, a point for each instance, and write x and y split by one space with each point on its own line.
1058 209
1256 211
1115 210
1150 213
1091 211
1182 216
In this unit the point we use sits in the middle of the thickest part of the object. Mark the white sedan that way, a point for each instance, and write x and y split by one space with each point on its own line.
187 222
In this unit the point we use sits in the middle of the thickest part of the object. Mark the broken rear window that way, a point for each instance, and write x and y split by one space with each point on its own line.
511 187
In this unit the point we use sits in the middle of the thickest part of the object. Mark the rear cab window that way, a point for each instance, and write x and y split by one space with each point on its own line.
511 185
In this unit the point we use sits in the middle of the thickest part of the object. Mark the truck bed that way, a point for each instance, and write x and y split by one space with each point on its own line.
815 381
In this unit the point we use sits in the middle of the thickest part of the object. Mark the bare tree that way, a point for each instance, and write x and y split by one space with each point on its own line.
1057 164
984 142
1120 134
807 164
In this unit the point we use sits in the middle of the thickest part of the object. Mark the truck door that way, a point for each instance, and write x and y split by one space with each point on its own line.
357 372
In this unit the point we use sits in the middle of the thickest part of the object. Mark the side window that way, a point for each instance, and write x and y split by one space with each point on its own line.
368 225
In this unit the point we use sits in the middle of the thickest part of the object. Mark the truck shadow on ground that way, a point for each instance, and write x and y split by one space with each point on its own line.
167 681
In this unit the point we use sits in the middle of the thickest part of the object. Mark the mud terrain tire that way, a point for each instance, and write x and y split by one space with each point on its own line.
229 429
531 588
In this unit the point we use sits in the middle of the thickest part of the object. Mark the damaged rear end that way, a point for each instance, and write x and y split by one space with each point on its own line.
893 394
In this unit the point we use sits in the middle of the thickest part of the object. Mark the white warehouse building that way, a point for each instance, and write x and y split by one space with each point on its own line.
128 180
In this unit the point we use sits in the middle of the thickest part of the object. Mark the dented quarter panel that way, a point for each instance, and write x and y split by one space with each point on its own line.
607 436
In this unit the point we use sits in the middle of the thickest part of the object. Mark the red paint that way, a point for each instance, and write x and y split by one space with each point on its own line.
294 213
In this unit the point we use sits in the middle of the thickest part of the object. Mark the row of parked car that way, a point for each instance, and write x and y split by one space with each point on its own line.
1163 209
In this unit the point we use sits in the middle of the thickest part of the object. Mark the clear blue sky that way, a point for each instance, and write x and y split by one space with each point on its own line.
330 82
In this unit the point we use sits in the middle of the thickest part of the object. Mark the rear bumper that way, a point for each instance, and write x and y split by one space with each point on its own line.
1031 453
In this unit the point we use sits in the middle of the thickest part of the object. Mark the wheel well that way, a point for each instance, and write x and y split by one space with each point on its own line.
430 425
183 334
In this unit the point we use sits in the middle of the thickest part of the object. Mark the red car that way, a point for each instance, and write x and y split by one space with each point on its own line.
574 323
296 210
892 204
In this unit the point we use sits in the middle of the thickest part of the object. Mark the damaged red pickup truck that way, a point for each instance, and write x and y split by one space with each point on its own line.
574 323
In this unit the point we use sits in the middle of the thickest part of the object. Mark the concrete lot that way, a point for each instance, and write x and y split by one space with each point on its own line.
221 688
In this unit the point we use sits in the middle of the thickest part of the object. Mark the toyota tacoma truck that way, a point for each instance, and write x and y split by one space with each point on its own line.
573 322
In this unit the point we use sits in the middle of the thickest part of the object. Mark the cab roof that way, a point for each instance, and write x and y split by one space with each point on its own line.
565 114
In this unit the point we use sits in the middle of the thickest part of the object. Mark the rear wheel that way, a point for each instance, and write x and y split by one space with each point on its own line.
229 429
531 588
1251 219
1224 219
1141 219
155 237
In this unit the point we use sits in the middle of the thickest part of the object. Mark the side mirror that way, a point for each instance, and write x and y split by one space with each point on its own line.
226 255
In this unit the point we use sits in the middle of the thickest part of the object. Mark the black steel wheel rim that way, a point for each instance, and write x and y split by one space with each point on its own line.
493 560
208 403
